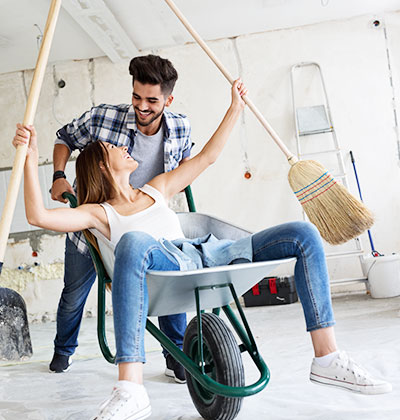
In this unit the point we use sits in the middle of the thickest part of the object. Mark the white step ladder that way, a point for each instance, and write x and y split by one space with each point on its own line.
316 138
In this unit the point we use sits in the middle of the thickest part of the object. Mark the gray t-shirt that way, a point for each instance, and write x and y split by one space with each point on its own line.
148 151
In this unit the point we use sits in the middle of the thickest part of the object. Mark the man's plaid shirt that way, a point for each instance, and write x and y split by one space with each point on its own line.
116 124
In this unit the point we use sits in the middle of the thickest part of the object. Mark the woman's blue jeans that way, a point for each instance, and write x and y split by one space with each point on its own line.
135 254
138 252
302 241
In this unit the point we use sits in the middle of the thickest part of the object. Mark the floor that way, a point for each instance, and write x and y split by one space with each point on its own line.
368 328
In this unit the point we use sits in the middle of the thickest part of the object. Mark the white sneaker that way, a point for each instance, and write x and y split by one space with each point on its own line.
125 404
344 372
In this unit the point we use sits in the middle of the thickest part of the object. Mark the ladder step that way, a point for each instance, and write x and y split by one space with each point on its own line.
321 152
349 280
345 254
313 132
342 176
313 120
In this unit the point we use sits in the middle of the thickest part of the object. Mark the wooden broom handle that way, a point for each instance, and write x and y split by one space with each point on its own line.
30 110
290 156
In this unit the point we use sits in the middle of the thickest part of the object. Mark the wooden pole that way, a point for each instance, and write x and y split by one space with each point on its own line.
30 111
289 155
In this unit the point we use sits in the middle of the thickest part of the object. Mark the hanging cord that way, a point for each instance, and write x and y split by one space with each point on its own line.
39 37
91 65
243 134
56 93
377 23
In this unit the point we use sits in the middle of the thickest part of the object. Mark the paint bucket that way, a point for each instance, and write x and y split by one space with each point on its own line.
383 273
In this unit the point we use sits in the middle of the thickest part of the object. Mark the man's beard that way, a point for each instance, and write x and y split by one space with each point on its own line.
146 124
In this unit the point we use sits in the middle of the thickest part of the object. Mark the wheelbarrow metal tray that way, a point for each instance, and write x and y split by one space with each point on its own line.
195 225
172 292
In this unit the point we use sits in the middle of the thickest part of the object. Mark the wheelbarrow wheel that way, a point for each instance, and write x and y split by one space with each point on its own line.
223 363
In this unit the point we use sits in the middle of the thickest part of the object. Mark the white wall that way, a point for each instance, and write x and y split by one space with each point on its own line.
353 57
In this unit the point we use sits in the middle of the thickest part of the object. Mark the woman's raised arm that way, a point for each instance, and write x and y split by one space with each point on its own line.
62 219
174 181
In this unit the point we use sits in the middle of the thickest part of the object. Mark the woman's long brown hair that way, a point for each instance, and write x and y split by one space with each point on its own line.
94 181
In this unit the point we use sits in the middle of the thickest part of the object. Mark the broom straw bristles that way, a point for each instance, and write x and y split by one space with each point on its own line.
337 214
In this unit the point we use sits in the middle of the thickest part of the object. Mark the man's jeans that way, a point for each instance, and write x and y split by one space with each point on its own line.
79 276
138 252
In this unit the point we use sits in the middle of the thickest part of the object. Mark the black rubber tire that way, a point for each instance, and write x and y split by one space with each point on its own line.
223 363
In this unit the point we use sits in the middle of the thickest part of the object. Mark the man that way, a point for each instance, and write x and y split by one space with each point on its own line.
158 140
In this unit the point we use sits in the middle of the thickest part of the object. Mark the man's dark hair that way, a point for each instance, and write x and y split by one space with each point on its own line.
154 70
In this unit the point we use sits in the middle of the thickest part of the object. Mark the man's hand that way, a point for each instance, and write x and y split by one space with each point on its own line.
60 186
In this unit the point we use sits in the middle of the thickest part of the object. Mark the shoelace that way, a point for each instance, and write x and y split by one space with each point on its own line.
350 365
117 399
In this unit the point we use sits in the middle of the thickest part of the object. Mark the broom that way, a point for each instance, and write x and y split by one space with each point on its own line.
337 214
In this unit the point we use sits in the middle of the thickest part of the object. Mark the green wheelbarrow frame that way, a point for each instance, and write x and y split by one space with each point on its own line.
196 370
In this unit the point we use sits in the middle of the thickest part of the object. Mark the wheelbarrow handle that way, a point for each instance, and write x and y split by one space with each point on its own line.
71 198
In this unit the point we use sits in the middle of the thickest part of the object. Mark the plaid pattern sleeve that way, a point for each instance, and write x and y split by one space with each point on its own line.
76 134
103 122
178 142
116 124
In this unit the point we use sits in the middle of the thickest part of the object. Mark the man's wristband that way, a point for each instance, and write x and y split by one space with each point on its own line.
58 175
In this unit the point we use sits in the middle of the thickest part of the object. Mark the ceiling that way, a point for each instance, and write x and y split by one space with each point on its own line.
121 29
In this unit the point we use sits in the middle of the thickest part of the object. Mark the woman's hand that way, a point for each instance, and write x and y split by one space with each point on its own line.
25 134
238 91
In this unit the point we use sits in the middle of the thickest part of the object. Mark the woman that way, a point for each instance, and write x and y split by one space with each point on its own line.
136 232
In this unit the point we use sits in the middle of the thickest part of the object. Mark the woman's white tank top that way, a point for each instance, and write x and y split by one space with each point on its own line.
158 220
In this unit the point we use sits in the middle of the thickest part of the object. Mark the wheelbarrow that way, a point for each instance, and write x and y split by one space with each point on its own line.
211 355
